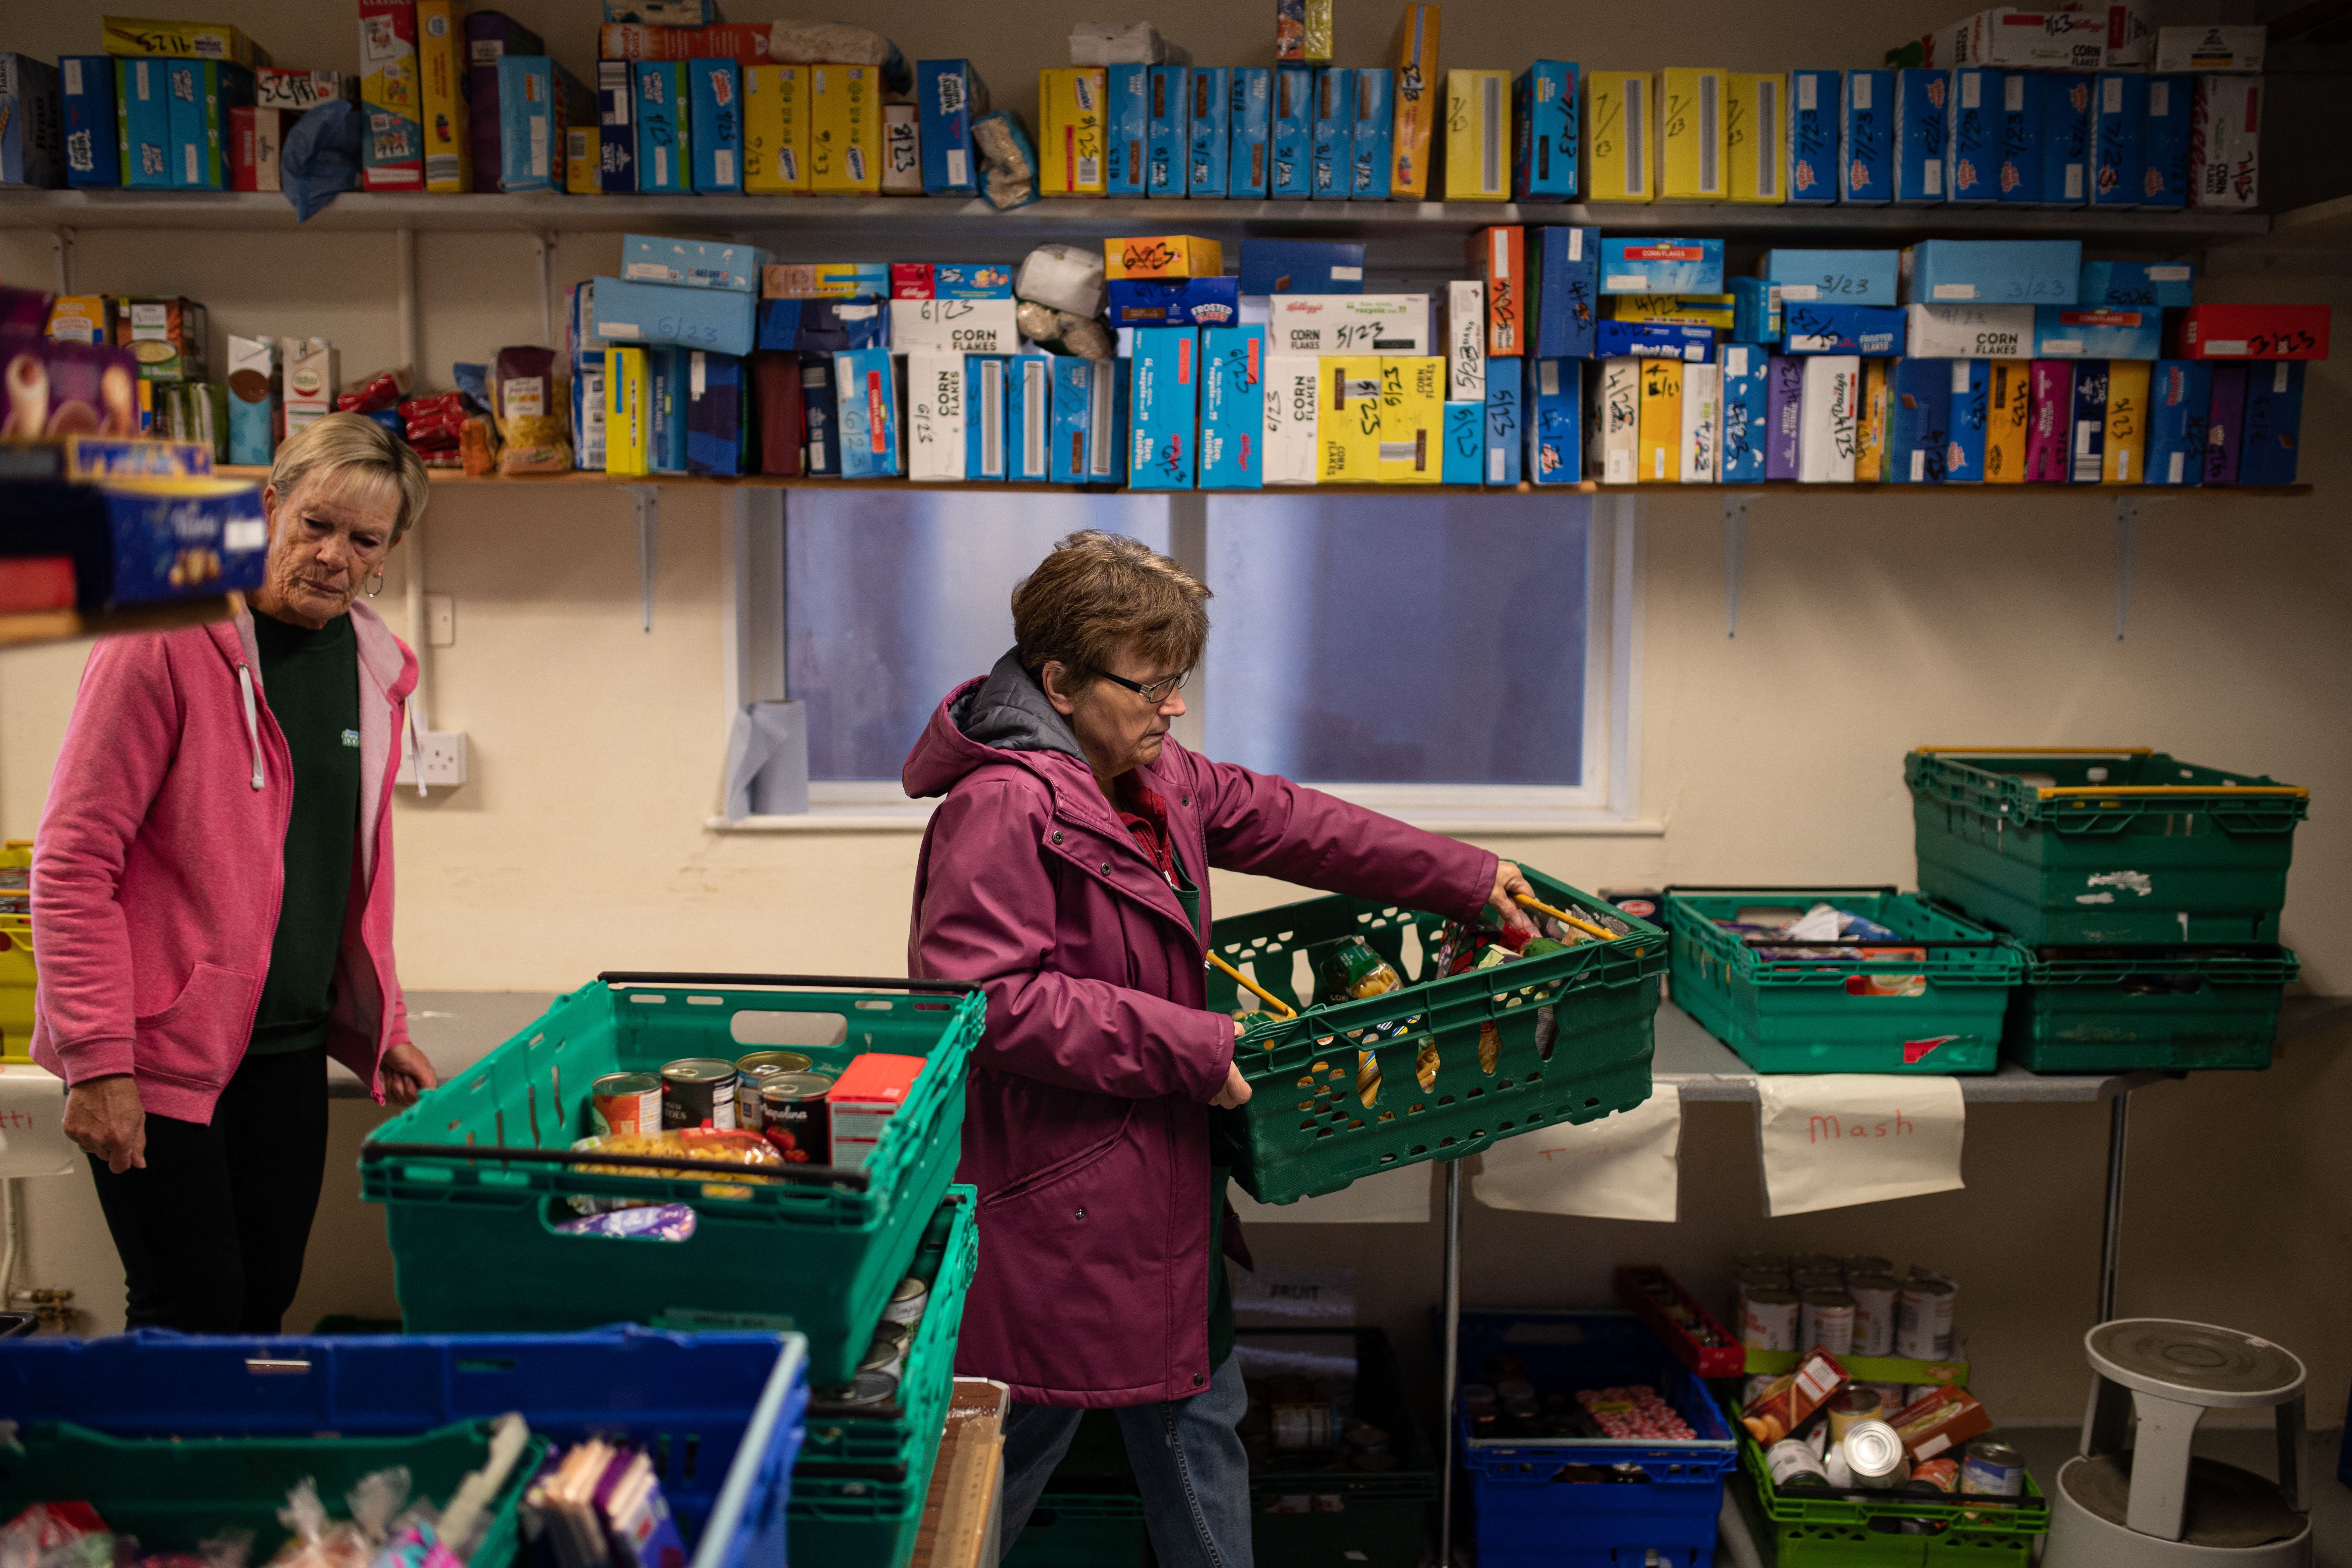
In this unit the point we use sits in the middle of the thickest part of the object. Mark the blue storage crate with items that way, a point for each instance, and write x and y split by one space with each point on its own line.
1552 1489
720 1416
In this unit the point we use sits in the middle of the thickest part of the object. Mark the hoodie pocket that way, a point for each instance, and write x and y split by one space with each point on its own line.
202 1035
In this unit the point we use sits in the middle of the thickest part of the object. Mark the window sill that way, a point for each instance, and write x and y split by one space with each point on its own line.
914 817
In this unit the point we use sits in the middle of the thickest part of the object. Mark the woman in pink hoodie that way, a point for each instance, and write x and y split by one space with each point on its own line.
212 884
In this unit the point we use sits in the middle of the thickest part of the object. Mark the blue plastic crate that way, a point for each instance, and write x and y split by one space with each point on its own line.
1526 1515
719 1414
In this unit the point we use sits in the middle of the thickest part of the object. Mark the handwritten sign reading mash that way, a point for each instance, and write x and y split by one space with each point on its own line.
1624 1166
1831 1139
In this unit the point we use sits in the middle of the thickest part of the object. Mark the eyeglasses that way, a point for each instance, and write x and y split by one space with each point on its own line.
1156 694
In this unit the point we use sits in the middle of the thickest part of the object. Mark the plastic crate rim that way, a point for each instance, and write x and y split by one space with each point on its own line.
783 1402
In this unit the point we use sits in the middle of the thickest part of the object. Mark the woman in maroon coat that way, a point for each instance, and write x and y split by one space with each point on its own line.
1067 872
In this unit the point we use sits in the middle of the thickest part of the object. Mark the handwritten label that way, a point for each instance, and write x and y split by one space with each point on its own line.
1832 1140
1624 1166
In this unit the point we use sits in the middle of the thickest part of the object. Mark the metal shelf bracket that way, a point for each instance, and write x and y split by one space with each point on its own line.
647 499
547 313
1735 546
61 252
2127 543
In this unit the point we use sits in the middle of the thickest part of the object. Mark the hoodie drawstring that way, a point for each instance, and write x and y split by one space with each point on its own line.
252 719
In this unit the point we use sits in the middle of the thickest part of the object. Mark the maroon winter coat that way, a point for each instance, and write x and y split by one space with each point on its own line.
1087 1129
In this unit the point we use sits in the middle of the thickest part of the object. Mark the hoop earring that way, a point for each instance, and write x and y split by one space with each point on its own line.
372 593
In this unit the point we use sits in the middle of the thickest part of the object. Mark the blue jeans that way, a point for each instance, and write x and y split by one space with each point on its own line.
1188 1462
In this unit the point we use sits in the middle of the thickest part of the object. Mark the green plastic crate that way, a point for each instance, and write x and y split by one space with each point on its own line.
1303 1515
173 1492
854 1523
1906 1530
2073 847
1820 1014
1573 1036
1082 1530
2124 1009
473 1239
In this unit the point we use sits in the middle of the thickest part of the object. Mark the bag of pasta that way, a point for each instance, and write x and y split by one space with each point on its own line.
532 399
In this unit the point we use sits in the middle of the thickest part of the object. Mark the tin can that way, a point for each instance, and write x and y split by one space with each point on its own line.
869 1389
627 1102
1303 1424
1749 1279
1866 1263
1825 1320
907 1301
699 1091
1791 1462
774 1061
1892 1396
1873 1312
1874 1454
796 1118
1816 1263
1923 1318
1777 1262
1817 1279
1856 1404
1768 1321
887 1353
1992 1469
1934 1476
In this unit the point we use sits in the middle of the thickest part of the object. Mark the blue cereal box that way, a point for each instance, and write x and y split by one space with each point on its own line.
715 95
1175 301
1233 408
1744 415
1168 137
2178 391
2097 332
865 393
1972 138
1565 290
92 156
2119 105
664 122
1812 327
1028 417
1993 272
1127 130
1465 443
1302 266
1756 313
1653 340
1331 163
2165 283
1211 137
1554 396
1250 158
142 120
2065 140
821 445
1968 421
1165 405
1918 409
983 424
1074 404
2021 158
1813 136
2164 142
1922 102
716 402
666 372
1660 266
949 96
203 92
616 128
1503 423
715 319
1834 277
1548 106
692 263
1371 144
1866 139
1293 176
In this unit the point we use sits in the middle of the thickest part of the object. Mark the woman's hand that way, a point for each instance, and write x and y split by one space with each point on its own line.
1237 1091
103 1117
1509 884
407 1074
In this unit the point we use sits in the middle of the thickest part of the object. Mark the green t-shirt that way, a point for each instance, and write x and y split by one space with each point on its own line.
312 681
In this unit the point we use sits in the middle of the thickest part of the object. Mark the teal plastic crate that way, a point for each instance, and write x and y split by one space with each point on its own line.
1566 1037
474 1177
1786 1009
2126 1009
2078 847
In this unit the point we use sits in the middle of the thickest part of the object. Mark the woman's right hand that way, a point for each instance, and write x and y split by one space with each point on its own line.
103 1116
1237 1091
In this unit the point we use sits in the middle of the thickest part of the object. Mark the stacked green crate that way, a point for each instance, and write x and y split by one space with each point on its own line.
2143 891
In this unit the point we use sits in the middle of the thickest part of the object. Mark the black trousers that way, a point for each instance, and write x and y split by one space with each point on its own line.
212 1231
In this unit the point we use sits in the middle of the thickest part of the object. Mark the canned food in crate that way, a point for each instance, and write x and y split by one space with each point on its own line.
1302 1425
907 1301
627 1102
1874 1455
1934 1476
1992 1469
764 1062
1923 1318
699 1091
1856 1403
1873 1312
796 1118
1768 1320
1817 1279
1892 1396
1826 1321
1791 1462
870 1389
888 1354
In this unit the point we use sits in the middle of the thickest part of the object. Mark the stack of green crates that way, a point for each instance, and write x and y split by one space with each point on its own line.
2143 892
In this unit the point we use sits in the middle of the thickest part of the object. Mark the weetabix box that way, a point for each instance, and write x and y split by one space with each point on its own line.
1834 277
1164 404
1756 312
1756 137
1812 328
1616 439
617 132
2022 160
1565 290
775 130
2127 434
1832 406
1918 422
2225 143
1921 106
1972 138
1477 136
392 136
1331 162
1413 420
2119 106
1743 416
2097 332
1865 145
714 136
1547 108
1292 409
1505 417
1970 421
1813 137
1028 417
1074 386
2178 391
846 131
1347 419
1702 392
1555 420
1653 340
1209 136
1968 332
2065 140
2008 417
93 154
1251 157
1658 449
1466 443
1235 393
1370 147
983 427
1660 266
1293 176
1992 271
949 96
1168 132
865 393
1417 93
2164 139
1127 129
1617 122
1693 157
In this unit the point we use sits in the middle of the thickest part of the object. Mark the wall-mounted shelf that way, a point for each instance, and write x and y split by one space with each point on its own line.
33 627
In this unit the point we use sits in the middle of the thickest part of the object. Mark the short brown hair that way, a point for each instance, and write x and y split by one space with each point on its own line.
1098 592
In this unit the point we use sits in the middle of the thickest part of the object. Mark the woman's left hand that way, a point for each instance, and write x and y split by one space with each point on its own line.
407 1074
1509 884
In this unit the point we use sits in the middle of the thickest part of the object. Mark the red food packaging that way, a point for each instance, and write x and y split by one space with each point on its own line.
2252 331
478 447
776 406
910 280
434 427
743 41
1940 1422
417 409
1790 1399
381 390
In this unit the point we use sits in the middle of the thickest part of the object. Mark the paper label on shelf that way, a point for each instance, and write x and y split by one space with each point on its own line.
32 1136
2225 346
1624 1166
1386 1198
1832 1140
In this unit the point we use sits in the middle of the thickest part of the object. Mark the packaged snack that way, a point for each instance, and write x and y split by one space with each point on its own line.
657 1222
530 400
1939 1423
1789 1401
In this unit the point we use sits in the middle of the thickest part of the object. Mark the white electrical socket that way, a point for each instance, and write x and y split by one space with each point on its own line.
440 757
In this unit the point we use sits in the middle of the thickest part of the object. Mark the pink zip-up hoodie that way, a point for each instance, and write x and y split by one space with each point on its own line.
160 864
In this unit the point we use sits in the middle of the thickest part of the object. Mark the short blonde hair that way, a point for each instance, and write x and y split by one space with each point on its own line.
1098 592
354 445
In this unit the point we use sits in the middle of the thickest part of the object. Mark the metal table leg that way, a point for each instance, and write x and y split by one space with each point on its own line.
2111 1239
1453 1347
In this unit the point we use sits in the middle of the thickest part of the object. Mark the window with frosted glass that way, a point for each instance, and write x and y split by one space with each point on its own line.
1407 640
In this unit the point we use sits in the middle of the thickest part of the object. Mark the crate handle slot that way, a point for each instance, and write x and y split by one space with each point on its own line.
1281 1009
712 1170
273 1366
617 977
